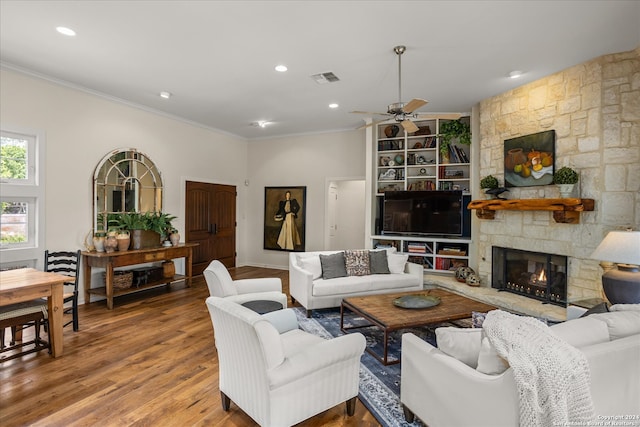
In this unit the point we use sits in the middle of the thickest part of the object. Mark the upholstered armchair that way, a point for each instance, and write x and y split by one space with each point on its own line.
278 374
221 285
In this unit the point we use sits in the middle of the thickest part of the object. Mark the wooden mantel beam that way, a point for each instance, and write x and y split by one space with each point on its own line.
565 211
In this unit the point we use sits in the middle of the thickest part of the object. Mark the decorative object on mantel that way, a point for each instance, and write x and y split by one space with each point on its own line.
566 211
565 178
621 285
493 187
529 159
473 280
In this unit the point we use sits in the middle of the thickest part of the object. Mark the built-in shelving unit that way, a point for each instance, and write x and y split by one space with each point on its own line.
566 211
413 162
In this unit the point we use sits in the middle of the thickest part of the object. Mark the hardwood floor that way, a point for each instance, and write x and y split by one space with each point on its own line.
150 361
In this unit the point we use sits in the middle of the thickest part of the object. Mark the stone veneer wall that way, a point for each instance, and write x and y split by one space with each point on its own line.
595 110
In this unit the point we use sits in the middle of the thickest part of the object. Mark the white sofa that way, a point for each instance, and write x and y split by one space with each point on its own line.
444 391
307 286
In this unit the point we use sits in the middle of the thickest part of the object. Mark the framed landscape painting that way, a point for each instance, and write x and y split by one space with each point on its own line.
529 160
284 218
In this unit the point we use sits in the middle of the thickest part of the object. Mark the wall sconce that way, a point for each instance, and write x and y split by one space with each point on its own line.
621 285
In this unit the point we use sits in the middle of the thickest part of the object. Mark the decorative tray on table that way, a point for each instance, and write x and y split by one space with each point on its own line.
416 301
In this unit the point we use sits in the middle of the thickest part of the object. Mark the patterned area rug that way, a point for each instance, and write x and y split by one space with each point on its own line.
379 384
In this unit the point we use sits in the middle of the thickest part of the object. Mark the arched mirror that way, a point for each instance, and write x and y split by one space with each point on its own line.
125 180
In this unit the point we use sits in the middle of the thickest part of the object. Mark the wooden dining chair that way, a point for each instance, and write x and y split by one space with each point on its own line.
18 317
66 263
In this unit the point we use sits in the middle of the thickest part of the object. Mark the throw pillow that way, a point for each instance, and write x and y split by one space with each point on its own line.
333 266
357 262
477 319
397 262
582 332
378 263
461 343
489 362
600 308
312 265
621 323
625 307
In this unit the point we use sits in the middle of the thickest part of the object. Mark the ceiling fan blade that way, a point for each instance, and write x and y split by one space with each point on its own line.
369 113
452 116
409 126
414 104
371 124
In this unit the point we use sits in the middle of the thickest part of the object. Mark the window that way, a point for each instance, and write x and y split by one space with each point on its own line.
21 197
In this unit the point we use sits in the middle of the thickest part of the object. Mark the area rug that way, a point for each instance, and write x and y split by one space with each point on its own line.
379 384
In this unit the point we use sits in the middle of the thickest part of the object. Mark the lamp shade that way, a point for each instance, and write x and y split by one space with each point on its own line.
621 247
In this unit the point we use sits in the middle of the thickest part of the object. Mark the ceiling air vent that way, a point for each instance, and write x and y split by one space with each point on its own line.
325 78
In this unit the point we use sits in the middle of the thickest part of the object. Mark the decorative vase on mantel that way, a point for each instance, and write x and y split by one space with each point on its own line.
566 190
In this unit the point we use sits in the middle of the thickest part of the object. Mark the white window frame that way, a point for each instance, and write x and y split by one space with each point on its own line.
32 191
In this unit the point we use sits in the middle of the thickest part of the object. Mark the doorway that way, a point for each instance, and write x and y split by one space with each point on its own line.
210 220
345 228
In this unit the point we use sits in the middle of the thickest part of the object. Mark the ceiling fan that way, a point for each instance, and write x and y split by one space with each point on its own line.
401 112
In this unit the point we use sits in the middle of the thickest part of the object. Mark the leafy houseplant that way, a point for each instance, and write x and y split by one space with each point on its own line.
565 178
451 130
147 228
565 175
489 181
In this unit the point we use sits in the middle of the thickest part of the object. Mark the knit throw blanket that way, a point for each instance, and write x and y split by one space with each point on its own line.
552 377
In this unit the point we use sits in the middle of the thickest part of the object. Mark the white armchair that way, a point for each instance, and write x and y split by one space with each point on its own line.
278 374
221 285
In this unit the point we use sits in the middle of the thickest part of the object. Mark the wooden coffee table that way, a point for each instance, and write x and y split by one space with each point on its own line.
380 311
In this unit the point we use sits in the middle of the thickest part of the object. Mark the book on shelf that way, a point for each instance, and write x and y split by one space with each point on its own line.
462 155
452 251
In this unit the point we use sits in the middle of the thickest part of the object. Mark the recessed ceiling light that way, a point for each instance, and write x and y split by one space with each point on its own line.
334 105
260 124
515 74
165 95
66 31
281 68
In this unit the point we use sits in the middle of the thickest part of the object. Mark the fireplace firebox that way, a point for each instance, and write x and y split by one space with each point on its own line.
535 275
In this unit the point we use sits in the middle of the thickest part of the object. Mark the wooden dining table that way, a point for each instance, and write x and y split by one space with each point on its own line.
26 284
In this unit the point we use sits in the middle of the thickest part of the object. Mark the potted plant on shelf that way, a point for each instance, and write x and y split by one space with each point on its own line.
454 129
565 178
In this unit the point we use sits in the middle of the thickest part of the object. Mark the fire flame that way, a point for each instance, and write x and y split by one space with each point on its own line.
542 277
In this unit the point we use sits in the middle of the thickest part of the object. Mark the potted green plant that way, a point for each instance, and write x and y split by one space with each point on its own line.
148 229
454 129
490 183
565 178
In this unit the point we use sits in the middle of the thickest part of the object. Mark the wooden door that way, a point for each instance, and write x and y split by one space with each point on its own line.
210 220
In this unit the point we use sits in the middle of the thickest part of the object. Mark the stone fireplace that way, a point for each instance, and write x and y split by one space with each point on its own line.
536 275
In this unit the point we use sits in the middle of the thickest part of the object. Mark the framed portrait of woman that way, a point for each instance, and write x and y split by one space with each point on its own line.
284 218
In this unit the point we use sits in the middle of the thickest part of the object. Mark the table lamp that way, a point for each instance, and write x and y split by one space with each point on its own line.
621 285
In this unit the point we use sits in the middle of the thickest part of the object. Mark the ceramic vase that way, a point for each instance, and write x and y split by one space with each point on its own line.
110 243
98 242
124 240
175 238
566 190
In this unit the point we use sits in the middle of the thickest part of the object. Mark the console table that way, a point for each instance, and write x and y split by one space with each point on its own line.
110 260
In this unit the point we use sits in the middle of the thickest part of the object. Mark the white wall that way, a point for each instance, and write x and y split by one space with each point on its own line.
305 160
350 232
81 128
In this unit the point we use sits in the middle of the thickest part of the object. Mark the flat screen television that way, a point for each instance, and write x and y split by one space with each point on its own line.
426 213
